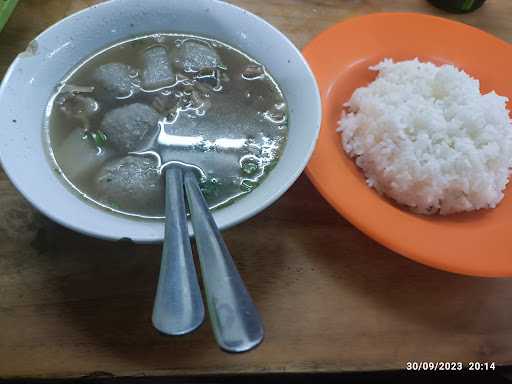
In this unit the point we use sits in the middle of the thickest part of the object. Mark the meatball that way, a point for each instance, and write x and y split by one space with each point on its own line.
131 183
126 127
194 56
116 80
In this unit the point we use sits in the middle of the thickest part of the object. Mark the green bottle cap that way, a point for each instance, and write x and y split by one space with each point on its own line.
458 6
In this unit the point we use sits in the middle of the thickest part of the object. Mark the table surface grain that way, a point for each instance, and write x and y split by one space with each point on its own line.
332 299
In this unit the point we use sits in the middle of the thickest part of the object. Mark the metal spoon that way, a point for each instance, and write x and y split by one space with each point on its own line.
178 307
236 323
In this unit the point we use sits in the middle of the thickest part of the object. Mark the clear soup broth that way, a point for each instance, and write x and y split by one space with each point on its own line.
153 100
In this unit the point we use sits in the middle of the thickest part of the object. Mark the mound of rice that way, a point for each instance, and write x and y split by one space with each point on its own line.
425 137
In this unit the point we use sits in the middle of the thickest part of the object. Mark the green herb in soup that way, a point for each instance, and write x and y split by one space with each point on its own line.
220 110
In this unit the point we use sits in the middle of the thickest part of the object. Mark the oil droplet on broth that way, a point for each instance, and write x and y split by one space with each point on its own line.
253 72
250 165
248 185
275 116
209 186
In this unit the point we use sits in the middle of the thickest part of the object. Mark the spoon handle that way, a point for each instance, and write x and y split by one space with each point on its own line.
236 323
178 307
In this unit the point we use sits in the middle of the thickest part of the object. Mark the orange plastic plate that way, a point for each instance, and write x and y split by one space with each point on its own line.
478 243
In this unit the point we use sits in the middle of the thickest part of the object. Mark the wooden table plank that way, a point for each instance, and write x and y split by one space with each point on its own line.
332 299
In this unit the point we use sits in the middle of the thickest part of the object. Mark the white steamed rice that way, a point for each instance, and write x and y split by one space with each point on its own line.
425 136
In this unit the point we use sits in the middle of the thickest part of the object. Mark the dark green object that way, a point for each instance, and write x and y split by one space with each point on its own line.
458 6
6 8
98 138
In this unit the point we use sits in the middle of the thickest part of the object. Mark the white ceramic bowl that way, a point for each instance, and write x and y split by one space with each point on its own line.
31 80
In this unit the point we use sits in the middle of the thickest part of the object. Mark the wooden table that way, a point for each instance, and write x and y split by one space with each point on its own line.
332 299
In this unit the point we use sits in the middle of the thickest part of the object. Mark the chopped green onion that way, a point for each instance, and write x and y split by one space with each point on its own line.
98 137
